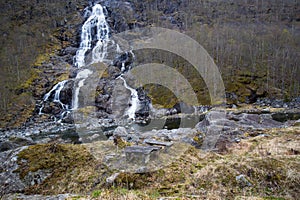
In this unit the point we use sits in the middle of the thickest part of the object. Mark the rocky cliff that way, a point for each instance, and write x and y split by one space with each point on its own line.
254 43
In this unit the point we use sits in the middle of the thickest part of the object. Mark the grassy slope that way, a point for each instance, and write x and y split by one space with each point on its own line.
270 164
254 43
31 33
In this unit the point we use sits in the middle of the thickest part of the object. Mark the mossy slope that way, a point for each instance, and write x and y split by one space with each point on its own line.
269 165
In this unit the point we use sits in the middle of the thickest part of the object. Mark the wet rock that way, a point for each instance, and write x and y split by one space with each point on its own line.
66 94
21 141
121 99
243 181
120 131
67 118
286 116
6 145
221 127
297 123
144 105
69 50
53 108
15 142
10 182
117 11
159 143
124 61
184 108
140 154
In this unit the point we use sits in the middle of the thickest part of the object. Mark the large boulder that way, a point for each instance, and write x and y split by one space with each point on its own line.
221 127
10 181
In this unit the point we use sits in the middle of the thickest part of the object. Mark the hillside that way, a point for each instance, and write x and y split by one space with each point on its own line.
255 44
152 99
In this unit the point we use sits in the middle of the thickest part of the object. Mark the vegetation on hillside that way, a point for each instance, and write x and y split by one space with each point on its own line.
262 166
254 43
31 33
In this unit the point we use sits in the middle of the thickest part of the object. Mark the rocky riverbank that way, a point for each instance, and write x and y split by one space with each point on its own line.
130 159
69 132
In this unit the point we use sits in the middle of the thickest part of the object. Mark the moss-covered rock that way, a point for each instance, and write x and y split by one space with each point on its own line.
71 168
257 166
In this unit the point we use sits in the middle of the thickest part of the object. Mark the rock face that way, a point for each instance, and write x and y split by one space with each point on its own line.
9 180
15 142
38 197
220 127
144 107
54 29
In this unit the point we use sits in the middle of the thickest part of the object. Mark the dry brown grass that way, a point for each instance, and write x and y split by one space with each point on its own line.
270 164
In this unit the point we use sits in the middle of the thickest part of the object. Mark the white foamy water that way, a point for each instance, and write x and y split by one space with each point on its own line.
81 76
94 29
57 89
94 40
56 98
134 100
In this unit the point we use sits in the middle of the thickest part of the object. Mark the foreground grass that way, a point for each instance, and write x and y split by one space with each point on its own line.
261 167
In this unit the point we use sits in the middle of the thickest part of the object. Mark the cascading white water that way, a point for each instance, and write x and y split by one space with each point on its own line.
134 100
94 39
95 28
56 98
96 22
57 88
81 76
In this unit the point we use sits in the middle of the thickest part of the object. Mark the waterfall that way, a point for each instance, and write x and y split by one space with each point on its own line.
134 100
94 40
95 28
57 89
81 76
56 98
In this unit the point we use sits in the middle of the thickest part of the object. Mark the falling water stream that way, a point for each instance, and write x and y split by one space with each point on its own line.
94 39
133 98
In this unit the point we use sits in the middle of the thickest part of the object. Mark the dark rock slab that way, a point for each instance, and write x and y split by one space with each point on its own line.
220 127
141 149
38 197
10 182
156 142
140 155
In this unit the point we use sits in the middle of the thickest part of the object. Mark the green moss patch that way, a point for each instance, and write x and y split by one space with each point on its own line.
72 168
267 165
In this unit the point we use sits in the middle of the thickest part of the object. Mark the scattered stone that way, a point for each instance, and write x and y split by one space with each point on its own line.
219 125
36 178
38 197
160 143
112 178
237 140
140 155
120 131
10 182
243 181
